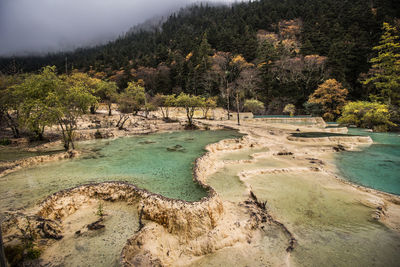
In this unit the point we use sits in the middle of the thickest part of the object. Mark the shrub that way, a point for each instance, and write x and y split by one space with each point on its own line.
98 135
290 108
365 114
253 105
5 142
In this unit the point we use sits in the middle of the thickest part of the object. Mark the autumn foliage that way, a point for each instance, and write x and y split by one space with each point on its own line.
364 114
331 96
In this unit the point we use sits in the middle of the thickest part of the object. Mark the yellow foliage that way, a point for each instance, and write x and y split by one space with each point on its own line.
140 82
241 62
331 96
238 59
189 56
261 64
316 59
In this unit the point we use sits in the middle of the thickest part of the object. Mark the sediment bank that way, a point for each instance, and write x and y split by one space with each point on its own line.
177 232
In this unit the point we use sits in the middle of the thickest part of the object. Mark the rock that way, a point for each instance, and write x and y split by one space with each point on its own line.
339 148
315 161
50 229
176 148
284 153
147 142
96 225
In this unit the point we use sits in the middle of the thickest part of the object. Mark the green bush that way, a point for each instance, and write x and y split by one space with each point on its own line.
290 108
5 142
253 105
14 254
98 135
365 114
33 253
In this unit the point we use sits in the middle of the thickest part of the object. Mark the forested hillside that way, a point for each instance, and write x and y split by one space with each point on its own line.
279 51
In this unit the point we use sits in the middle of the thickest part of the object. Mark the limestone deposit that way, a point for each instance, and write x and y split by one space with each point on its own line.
178 233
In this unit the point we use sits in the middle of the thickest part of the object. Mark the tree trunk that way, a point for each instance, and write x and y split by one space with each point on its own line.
65 139
189 117
109 110
237 108
3 262
163 113
229 115
92 109
72 143
40 136
122 120
71 135
227 97
39 133
15 131
206 113
66 144
13 125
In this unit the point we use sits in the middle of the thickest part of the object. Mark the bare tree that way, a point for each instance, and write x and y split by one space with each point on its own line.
245 81
305 73
220 66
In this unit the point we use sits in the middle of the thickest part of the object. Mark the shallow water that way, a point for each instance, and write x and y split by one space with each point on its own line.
376 166
241 154
333 227
161 163
93 248
226 181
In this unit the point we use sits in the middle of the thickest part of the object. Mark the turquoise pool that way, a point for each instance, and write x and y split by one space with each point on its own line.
376 166
161 163
282 116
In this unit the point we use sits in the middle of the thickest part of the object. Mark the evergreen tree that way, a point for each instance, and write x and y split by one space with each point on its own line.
386 66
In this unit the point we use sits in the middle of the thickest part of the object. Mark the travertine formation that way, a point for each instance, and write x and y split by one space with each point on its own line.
188 219
177 232
9 167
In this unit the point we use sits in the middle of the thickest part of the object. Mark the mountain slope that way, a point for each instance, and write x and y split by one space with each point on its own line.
344 31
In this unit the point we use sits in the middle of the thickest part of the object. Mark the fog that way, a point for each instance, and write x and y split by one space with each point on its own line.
39 26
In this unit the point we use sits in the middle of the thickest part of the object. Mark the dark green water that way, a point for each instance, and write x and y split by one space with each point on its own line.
161 163
318 134
376 166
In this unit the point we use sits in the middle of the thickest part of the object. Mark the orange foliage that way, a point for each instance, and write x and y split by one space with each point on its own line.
290 28
189 56
331 96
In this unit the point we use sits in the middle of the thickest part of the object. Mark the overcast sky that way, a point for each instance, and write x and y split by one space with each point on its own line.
28 26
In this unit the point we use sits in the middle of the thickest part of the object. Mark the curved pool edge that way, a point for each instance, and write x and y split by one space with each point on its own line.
183 218
173 214
202 167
